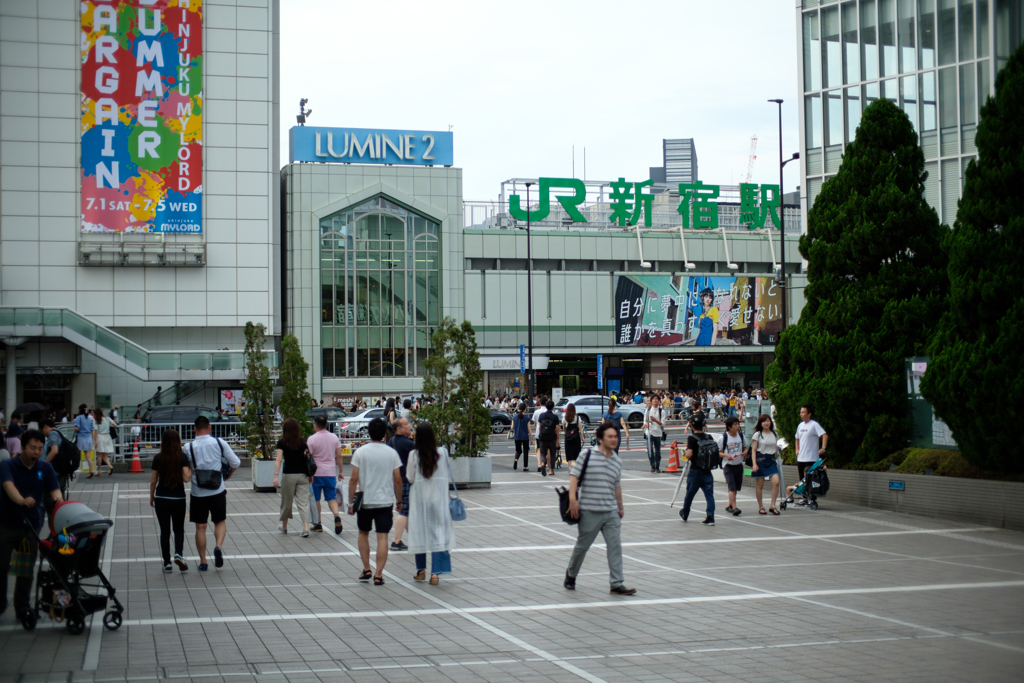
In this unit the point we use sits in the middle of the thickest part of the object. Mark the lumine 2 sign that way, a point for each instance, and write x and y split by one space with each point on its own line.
629 202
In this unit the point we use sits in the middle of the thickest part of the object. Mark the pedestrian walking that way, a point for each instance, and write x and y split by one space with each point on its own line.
209 494
595 498
376 473
403 444
547 439
765 443
27 480
572 427
614 418
521 433
167 497
85 434
430 521
325 448
734 451
293 478
654 423
104 444
51 448
702 452
12 437
807 452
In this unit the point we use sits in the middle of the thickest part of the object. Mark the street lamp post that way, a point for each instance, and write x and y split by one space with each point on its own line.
530 380
782 224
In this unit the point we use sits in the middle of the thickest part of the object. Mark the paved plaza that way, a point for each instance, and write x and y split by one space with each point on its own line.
844 593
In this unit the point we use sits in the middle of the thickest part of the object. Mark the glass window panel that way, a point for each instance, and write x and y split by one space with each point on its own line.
852 113
907 35
812 53
887 35
374 300
982 28
421 297
387 293
399 361
871 93
368 227
362 355
835 117
983 77
966 29
832 67
362 299
812 119
350 299
891 90
910 101
926 26
947 32
398 293
432 298
868 40
1009 29
421 224
948 107
326 297
391 228
341 363
851 50
968 105
929 102
327 366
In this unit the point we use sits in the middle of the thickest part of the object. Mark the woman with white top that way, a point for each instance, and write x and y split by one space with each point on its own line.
765 443
104 444
430 521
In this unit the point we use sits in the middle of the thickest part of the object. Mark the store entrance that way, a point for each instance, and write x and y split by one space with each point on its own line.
53 391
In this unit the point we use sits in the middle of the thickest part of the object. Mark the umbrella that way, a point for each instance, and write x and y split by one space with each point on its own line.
28 408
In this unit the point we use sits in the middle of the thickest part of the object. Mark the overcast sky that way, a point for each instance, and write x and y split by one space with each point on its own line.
523 82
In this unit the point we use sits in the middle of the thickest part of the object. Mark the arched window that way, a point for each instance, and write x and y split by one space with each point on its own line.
380 290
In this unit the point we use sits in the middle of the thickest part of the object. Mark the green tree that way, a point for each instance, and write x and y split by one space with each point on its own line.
876 285
258 394
975 357
295 400
454 380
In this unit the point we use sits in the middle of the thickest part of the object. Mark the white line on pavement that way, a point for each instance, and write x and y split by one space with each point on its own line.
92 648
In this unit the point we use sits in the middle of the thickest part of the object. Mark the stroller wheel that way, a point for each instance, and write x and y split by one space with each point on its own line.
75 625
814 505
112 620
783 505
28 618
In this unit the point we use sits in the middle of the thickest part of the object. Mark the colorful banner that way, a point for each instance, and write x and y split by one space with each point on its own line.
681 310
142 131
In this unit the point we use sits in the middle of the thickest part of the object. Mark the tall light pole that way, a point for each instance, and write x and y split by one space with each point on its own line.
782 223
530 380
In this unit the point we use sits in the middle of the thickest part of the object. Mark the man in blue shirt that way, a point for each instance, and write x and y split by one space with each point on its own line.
26 480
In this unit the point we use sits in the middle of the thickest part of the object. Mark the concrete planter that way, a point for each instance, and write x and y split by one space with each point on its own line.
977 501
262 475
472 473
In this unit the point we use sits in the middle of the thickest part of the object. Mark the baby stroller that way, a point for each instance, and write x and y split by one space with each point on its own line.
815 483
72 552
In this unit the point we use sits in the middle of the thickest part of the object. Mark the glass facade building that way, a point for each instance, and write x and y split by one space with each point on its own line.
935 59
380 290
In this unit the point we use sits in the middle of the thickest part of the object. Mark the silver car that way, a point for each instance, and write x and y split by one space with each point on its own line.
591 409
356 425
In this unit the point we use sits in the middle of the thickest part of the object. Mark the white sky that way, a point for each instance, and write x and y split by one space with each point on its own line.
522 82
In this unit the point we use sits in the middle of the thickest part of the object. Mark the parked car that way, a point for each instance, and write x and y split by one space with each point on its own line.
356 425
500 422
183 419
591 409
332 413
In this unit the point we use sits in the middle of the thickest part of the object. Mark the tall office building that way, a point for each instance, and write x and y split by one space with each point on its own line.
935 59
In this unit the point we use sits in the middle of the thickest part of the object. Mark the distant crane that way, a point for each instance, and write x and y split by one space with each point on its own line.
752 158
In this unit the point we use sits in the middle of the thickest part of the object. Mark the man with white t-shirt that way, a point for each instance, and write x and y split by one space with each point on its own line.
807 434
376 471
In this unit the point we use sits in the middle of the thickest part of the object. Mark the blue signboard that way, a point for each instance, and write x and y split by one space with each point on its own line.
522 358
370 146
600 371
897 486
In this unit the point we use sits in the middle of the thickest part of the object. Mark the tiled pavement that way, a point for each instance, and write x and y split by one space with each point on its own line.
844 593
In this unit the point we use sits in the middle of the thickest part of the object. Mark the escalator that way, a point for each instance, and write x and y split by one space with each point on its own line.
176 393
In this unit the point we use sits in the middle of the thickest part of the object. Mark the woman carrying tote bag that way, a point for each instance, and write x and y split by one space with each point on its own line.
430 519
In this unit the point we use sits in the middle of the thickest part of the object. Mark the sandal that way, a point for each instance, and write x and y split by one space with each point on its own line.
421 575
774 511
434 579
365 576
762 512
378 581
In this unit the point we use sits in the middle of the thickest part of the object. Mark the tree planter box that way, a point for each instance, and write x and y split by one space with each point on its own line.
262 475
472 473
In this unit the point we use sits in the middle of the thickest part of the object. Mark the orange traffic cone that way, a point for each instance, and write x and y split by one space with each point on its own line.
673 460
136 463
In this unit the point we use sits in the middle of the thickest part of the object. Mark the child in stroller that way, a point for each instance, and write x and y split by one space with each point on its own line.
815 483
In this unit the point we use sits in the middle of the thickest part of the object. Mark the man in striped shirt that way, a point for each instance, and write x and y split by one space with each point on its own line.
597 502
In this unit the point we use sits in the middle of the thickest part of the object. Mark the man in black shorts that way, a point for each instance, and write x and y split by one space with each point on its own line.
377 472
733 450
205 453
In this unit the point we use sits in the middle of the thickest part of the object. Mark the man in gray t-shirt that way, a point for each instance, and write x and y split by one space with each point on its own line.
597 502
377 472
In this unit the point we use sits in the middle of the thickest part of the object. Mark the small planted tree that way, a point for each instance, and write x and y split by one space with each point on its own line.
876 285
294 371
454 381
976 361
258 413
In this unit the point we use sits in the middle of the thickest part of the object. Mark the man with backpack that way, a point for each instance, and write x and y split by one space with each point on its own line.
703 454
205 455
733 449
547 438
61 454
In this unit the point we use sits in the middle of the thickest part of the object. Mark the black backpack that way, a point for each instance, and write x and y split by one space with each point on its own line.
572 432
67 460
707 457
725 440
548 426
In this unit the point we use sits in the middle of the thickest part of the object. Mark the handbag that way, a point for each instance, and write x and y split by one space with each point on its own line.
455 506
310 464
563 493
21 560
357 501
205 479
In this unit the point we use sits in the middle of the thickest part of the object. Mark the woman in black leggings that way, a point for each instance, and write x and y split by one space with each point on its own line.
167 495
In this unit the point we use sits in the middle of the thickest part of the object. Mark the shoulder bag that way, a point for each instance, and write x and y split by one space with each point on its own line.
455 506
205 479
563 493
311 465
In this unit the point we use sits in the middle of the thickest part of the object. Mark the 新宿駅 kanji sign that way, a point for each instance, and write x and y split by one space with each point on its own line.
629 203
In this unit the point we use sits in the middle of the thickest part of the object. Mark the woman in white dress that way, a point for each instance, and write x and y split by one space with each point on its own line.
430 522
104 444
